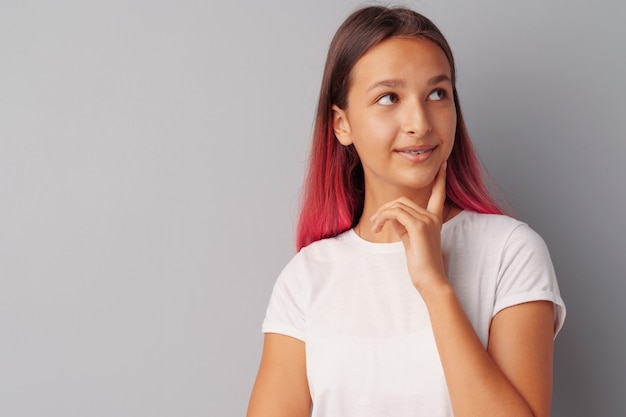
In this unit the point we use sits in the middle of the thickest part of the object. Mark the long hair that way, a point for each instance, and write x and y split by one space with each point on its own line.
334 188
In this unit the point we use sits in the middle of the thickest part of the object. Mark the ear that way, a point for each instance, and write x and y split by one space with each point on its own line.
341 126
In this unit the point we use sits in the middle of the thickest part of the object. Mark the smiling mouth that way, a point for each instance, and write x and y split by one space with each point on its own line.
417 152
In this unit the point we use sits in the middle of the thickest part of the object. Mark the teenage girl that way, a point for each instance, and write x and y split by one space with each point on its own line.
412 294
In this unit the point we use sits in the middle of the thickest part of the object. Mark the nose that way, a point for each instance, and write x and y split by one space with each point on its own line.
416 119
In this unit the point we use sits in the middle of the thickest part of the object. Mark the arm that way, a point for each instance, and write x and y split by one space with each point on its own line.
281 388
521 343
513 376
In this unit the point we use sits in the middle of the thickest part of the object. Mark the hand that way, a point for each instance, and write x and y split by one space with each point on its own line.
420 231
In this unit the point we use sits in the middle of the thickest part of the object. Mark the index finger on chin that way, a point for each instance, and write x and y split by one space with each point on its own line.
438 194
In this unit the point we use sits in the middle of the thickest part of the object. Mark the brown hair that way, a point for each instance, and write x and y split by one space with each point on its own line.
334 188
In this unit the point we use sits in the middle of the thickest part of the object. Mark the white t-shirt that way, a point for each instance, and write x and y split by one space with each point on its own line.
370 350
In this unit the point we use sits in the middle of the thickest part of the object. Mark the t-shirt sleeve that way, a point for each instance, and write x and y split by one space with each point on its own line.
287 307
527 274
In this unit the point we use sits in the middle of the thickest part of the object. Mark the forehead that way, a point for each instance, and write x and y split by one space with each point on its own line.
393 58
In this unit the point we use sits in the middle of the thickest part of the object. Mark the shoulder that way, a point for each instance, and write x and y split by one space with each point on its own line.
483 226
509 256
327 249
492 232
492 222
320 255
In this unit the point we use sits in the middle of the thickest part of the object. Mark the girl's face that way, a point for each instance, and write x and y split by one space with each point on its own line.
400 115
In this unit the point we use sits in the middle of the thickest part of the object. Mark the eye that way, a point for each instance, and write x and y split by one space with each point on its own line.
437 95
388 99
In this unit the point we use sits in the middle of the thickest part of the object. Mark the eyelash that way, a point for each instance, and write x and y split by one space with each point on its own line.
440 91
392 96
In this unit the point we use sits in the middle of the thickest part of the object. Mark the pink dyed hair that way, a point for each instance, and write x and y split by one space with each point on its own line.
334 187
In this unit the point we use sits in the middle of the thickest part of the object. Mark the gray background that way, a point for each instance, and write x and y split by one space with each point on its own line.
151 154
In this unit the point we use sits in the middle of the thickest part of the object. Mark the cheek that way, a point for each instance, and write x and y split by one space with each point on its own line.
450 146
447 130
450 143
448 126
373 131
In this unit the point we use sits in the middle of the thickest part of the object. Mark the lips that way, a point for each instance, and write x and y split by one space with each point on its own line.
416 153
416 150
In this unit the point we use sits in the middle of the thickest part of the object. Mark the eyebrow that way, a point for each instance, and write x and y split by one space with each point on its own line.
395 83
438 79
398 83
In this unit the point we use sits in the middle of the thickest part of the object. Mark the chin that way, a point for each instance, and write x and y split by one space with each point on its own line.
419 182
